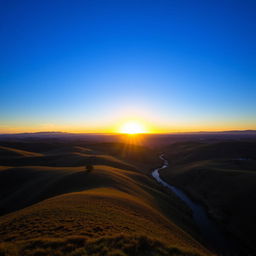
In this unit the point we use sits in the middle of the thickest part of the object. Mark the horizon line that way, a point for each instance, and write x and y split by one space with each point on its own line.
117 133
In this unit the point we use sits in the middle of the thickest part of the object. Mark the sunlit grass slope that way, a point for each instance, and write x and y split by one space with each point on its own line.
94 214
80 246
6 152
60 156
64 210
34 183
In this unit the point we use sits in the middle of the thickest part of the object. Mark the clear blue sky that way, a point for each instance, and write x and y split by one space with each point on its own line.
89 65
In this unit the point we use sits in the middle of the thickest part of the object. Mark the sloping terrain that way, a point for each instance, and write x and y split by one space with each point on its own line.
222 176
93 214
63 156
66 210
191 151
6 152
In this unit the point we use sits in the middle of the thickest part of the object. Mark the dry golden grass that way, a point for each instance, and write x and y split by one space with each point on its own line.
94 214
64 210
34 183
69 149
81 246
18 152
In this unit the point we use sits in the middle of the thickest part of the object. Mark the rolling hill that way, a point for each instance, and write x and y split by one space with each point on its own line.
60 209
222 176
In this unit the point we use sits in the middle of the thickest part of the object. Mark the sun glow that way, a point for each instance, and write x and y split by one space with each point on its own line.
132 128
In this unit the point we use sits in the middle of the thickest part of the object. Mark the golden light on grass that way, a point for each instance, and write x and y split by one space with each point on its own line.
132 127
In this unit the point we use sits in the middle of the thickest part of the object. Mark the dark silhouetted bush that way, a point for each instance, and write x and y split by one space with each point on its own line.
89 167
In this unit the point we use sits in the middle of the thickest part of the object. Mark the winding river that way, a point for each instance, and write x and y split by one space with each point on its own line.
208 229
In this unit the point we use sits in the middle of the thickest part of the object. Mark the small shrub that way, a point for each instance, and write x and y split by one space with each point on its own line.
89 167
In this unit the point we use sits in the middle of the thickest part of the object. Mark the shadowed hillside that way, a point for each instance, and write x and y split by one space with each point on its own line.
222 176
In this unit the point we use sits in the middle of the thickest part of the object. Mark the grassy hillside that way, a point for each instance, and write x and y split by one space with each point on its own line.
187 152
64 210
97 217
61 156
222 176
80 246
145 158
94 214
46 182
7 152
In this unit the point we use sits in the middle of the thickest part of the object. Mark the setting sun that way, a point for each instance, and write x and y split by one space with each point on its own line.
132 128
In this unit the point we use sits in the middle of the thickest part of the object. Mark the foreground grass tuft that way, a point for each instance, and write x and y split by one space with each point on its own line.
80 246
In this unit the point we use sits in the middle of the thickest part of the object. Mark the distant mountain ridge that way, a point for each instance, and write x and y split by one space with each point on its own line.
170 133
